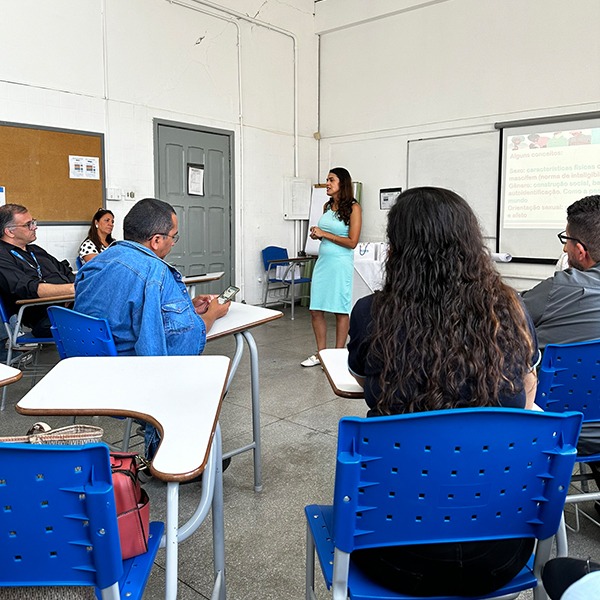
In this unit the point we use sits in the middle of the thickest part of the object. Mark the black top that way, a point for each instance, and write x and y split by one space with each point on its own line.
362 363
21 271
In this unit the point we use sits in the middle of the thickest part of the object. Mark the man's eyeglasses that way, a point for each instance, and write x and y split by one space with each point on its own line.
30 224
563 237
175 237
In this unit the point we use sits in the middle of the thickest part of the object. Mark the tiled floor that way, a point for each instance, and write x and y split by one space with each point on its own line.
265 533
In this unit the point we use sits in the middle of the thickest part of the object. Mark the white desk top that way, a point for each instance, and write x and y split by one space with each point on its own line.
335 365
157 389
241 317
9 375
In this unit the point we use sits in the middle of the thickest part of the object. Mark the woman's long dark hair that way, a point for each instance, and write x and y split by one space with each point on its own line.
93 232
447 330
345 197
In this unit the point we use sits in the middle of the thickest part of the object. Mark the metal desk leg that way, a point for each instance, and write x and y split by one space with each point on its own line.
219 590
256 443
255 410
171 539
293 294
212 497
235 361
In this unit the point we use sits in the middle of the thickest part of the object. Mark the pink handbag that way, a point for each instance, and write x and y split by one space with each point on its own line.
133 504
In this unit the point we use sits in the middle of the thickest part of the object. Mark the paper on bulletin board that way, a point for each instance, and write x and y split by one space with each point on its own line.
2 195
84 167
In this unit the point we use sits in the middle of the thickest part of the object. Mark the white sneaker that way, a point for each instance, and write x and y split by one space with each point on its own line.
311 361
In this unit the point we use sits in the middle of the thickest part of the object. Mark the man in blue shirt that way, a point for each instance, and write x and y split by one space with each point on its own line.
141 296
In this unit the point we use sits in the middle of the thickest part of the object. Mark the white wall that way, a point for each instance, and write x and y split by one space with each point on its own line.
390 71
112 66
395 70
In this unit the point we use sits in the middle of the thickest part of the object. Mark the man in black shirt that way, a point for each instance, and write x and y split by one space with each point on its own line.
28 271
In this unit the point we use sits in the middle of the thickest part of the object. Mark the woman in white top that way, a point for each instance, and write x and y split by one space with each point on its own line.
99 236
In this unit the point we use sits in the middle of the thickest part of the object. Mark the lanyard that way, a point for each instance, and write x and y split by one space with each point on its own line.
36 266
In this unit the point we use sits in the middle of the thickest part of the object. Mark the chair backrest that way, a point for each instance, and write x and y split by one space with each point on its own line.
273 253
569 379
449 476
77 334
58 520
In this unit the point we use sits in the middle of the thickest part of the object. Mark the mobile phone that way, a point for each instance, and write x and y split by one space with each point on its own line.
228 294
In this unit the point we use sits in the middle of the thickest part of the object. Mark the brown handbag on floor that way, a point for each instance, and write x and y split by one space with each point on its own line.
133 504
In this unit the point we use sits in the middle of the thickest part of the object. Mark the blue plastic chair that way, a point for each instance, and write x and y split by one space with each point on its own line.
58 523
568 380
77 334
442 476
22 343
273 257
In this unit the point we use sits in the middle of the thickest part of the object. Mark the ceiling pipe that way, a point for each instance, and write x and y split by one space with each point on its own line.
285 32
242 279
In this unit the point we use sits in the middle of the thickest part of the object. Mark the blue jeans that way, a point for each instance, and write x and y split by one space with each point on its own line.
151 441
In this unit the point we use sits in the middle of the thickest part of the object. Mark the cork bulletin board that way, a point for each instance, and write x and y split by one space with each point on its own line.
36 171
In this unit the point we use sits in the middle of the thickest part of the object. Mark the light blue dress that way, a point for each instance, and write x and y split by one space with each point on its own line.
331 288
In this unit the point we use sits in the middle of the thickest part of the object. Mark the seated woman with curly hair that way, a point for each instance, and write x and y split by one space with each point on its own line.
445 332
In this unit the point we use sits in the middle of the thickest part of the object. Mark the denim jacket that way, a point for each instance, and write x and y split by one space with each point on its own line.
143 299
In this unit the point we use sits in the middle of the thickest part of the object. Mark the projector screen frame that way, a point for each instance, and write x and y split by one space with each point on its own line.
526 123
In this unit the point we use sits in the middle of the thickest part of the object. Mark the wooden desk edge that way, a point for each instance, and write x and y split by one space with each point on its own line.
294 259
46 300
85 412
336 390
58 412
203 278
233 330
10 380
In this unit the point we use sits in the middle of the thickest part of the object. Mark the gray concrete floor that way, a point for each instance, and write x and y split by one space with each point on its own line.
265 532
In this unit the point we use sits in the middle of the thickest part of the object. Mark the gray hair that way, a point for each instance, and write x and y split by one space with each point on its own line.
147 218
7 215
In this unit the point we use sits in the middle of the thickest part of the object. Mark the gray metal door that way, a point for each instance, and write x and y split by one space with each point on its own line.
204 205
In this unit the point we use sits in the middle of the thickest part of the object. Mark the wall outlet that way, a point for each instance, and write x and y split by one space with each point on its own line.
114 194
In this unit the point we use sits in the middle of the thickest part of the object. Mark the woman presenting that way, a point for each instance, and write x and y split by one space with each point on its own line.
331 289
445 332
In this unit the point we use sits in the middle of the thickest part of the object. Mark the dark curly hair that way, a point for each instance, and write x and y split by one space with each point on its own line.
447 330
345 197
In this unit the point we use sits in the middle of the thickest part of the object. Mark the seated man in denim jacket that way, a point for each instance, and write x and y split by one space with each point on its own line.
141 296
